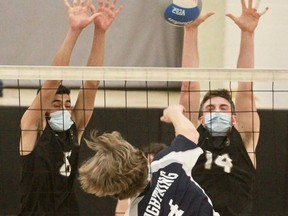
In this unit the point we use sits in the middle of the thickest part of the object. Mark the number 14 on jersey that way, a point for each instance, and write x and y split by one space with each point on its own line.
223 161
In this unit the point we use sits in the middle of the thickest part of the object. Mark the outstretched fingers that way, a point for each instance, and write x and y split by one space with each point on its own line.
67 4
118 10
231 16
257 5
100 3
75 3
202 18
82 3
107 3
93 9
264 11
207 15
249 4
94 13
243 4
110 7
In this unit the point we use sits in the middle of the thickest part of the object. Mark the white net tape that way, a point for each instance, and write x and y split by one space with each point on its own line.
270 86
140 74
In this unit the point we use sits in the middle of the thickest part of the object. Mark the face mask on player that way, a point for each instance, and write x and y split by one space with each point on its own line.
60 120
218 124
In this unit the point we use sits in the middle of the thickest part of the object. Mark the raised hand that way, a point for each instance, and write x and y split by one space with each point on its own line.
107 13
249 18
199 20
171 113
80 13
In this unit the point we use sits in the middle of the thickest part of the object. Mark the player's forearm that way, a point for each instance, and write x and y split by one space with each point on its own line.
97 53
190 98
190 57
246 54
183 126
63 55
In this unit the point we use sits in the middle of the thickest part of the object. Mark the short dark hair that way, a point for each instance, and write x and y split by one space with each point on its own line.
224 93
61 90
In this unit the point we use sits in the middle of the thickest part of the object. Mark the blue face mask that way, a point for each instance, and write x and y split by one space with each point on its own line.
60 120
218 124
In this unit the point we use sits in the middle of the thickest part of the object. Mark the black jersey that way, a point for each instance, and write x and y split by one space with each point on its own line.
225 172
172 191
48 174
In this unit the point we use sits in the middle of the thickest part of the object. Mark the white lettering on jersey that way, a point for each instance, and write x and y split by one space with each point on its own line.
224 161
65 169
221 160
163 184
174 209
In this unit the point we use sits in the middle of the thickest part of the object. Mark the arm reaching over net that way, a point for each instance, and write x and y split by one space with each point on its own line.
106 13
190 91
228 133
51 128
34 119
248 122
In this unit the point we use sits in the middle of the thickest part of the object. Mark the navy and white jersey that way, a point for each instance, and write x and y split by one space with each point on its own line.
225 172
172 191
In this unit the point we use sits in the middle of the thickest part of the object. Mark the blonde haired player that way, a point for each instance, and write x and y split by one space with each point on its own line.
119 170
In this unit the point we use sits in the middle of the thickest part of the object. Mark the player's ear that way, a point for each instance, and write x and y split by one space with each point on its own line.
233 119
201 119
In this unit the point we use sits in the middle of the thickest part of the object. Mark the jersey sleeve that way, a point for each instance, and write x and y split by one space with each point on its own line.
182 151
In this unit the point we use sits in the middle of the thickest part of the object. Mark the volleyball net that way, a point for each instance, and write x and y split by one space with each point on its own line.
131 100
269 85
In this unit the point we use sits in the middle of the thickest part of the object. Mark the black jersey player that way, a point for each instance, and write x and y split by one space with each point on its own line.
228 134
